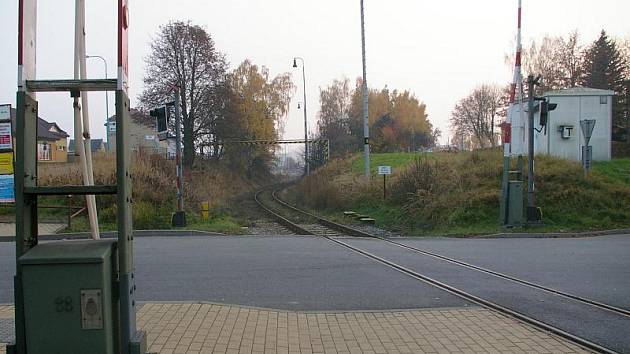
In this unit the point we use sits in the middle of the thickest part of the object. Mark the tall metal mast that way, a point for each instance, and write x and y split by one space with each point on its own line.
366 122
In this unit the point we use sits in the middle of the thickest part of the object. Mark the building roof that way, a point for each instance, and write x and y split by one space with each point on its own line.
580 91
45 129
139 117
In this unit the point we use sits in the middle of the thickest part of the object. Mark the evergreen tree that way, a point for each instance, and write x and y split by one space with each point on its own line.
604 68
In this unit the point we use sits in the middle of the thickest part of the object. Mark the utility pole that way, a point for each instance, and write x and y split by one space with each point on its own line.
628 111
366 122
179 218
307 166
532 211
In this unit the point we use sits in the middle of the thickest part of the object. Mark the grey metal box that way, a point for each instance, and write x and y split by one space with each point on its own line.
68 297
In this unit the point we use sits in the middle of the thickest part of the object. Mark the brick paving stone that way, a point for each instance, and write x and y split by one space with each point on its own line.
8 229
214 328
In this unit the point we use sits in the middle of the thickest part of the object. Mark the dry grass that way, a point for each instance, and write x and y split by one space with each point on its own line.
460 193
154 189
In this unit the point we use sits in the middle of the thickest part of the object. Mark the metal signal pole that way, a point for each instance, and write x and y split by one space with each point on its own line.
532 211
178 152
307 166
366 124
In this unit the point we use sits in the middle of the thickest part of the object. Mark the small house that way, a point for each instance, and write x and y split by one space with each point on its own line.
563 137
142 133
52 141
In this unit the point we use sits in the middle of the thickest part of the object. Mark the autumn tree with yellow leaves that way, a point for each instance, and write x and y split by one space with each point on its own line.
398 120
256 106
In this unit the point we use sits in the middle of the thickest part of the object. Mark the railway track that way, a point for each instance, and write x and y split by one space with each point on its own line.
310 224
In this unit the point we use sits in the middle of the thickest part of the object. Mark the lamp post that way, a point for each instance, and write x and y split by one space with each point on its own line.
366 124
106 100
307 168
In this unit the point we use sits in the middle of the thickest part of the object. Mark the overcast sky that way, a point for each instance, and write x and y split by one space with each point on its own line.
440 50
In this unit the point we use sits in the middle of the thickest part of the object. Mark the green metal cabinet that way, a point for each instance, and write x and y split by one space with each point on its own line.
515 207
69 297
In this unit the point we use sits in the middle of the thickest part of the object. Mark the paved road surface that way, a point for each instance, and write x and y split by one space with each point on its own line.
600 326
597 268
309 273
293 273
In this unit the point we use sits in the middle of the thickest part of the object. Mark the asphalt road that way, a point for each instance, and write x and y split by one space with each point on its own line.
293 273
597 268
310 273
600 326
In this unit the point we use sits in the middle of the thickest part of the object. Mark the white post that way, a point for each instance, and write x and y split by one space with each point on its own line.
82 141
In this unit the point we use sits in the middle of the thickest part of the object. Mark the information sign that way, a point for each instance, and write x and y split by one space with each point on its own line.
384 170
6 163
6 141
7 189
5 112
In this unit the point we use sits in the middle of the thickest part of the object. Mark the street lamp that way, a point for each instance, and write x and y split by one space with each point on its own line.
307 169
106 100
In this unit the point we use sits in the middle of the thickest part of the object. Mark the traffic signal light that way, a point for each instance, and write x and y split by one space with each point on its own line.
161 117
545 108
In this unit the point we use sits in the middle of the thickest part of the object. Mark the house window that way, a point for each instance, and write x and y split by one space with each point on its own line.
60 148
603 99
43 151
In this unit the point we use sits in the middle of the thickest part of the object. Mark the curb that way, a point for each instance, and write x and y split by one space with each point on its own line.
553 234
114 234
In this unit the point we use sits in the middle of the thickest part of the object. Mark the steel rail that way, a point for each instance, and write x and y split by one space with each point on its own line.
279 218
355 232
461 293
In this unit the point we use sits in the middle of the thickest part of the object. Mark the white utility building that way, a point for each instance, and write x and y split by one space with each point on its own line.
562 137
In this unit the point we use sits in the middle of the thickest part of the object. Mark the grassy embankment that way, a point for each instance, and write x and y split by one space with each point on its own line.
458 194
153 194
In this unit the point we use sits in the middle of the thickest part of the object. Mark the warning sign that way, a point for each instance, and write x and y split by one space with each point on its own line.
6 163
6 141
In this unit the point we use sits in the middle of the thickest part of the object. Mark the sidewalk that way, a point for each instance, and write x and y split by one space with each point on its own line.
8 228
212 328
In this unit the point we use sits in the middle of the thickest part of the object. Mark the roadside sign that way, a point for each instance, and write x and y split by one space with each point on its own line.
6 163
587 125
7 189
5 112
6 141
384 170
7 184
587 157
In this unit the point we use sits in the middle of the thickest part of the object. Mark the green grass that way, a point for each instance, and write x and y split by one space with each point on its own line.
221 223
395 160
617 170
458 194
82 224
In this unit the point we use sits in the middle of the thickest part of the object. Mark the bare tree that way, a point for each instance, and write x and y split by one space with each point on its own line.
477 114
557 59
571 58
184 55
334 117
